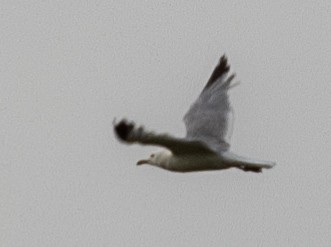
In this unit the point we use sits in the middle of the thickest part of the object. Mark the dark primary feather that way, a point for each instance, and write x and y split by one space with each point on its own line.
220 70
123 130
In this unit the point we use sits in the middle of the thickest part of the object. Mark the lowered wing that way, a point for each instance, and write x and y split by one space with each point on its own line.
128 133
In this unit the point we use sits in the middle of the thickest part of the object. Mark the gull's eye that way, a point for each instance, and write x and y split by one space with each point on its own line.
152 155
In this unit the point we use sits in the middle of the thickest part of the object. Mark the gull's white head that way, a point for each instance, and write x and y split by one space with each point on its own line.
160 159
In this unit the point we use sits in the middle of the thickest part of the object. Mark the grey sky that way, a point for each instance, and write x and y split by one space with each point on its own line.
69 67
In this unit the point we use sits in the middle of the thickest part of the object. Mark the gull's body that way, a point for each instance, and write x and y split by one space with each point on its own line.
202 162
206 145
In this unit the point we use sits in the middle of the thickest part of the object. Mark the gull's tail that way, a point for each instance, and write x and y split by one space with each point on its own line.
246 164
255 167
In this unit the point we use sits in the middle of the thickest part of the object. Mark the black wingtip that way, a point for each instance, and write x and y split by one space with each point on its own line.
221 69
123 129
253 169
223 65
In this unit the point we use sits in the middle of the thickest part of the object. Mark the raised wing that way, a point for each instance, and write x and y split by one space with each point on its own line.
208 119
128 133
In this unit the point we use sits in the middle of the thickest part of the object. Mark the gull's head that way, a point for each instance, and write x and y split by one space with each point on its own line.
160 159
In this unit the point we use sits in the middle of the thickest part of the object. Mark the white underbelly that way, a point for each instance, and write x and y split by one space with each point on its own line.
196 163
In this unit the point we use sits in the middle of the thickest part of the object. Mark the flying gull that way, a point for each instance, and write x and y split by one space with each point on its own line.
206 145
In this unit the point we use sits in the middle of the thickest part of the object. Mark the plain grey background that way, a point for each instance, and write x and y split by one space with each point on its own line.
67 68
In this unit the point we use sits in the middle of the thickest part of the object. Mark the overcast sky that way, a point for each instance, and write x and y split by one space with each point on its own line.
68 68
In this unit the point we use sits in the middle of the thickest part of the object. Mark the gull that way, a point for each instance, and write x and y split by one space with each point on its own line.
208 129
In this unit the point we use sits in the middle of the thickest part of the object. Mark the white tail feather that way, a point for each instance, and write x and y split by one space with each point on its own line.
246 164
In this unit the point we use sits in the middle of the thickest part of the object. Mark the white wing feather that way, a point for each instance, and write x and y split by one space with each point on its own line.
208 118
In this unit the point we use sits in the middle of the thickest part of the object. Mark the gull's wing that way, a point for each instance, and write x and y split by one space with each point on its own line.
208 119
127 132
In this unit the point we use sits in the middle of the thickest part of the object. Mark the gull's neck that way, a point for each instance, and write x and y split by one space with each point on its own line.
163 159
